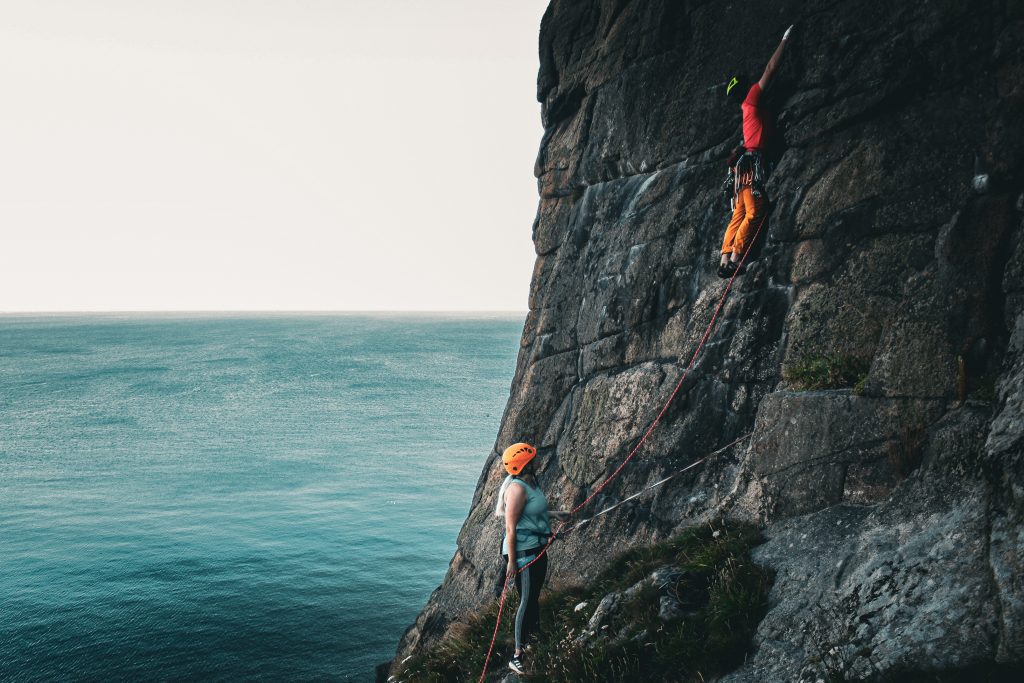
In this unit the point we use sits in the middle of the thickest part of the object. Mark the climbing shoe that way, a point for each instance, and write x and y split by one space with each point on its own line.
516 664
725 272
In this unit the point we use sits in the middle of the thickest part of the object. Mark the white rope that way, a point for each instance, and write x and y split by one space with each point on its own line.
659 483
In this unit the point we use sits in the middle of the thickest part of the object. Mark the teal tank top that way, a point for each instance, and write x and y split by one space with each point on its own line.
534 524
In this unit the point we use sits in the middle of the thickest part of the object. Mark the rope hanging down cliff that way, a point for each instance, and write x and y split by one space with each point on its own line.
636 448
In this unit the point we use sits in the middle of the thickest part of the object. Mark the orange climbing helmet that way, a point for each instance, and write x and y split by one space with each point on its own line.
517 456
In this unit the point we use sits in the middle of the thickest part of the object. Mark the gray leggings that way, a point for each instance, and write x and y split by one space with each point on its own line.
529 582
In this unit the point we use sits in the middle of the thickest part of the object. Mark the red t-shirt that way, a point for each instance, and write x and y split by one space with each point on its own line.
757 123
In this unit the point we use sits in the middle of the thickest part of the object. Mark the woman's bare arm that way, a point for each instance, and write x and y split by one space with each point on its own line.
515 501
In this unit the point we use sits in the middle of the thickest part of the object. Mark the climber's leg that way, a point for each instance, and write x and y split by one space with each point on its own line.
754 210
738 215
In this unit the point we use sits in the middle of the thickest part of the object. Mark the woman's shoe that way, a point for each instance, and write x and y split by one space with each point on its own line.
516 664
725 272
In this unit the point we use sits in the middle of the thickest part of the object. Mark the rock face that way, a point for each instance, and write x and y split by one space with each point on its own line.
894 514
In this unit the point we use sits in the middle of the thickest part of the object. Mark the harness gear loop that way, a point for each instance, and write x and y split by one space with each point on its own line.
751 171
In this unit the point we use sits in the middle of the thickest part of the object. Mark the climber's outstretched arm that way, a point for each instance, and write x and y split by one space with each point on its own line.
773 63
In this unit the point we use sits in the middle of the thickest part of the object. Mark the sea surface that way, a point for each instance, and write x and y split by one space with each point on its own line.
264 497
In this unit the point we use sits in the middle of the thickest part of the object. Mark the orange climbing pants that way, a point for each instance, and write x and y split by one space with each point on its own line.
745 219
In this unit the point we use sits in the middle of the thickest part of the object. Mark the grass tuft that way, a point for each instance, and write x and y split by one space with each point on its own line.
723 595
835 371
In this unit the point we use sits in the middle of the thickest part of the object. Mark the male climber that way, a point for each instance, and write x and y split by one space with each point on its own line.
750 167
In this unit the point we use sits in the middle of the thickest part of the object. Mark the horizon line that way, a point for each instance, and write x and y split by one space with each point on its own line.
317 311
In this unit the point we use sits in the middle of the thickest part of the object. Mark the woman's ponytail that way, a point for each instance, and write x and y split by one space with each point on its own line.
499 506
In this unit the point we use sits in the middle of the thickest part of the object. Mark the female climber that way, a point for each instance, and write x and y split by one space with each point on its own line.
527 530
749 167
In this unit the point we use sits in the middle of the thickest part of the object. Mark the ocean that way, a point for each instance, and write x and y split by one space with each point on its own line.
234 497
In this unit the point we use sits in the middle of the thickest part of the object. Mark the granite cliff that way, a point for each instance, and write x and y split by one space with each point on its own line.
895 244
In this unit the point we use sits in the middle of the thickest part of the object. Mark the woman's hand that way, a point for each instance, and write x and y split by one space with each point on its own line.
510 570
559 515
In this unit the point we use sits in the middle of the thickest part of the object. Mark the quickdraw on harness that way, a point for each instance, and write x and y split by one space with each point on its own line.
636 448
750 170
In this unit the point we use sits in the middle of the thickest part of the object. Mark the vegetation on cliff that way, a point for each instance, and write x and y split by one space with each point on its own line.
682 610
832 371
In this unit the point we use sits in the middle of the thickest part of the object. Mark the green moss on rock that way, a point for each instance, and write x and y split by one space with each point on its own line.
834 371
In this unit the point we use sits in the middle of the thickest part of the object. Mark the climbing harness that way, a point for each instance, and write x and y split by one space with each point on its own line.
751 170
636 448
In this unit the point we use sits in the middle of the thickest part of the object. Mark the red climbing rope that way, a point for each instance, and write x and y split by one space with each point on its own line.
636 448
497 622
580 523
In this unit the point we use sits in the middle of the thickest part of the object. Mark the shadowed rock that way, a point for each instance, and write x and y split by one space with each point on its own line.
894 517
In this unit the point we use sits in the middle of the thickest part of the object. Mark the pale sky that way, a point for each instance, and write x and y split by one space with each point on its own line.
267 154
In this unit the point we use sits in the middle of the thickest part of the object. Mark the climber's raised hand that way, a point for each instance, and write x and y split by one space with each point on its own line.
773 63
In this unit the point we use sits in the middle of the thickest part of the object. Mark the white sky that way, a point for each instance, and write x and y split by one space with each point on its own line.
267 154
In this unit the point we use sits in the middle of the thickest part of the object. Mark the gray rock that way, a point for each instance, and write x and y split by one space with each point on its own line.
815 449
904 584
606 609
669 609
878 246
666 577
